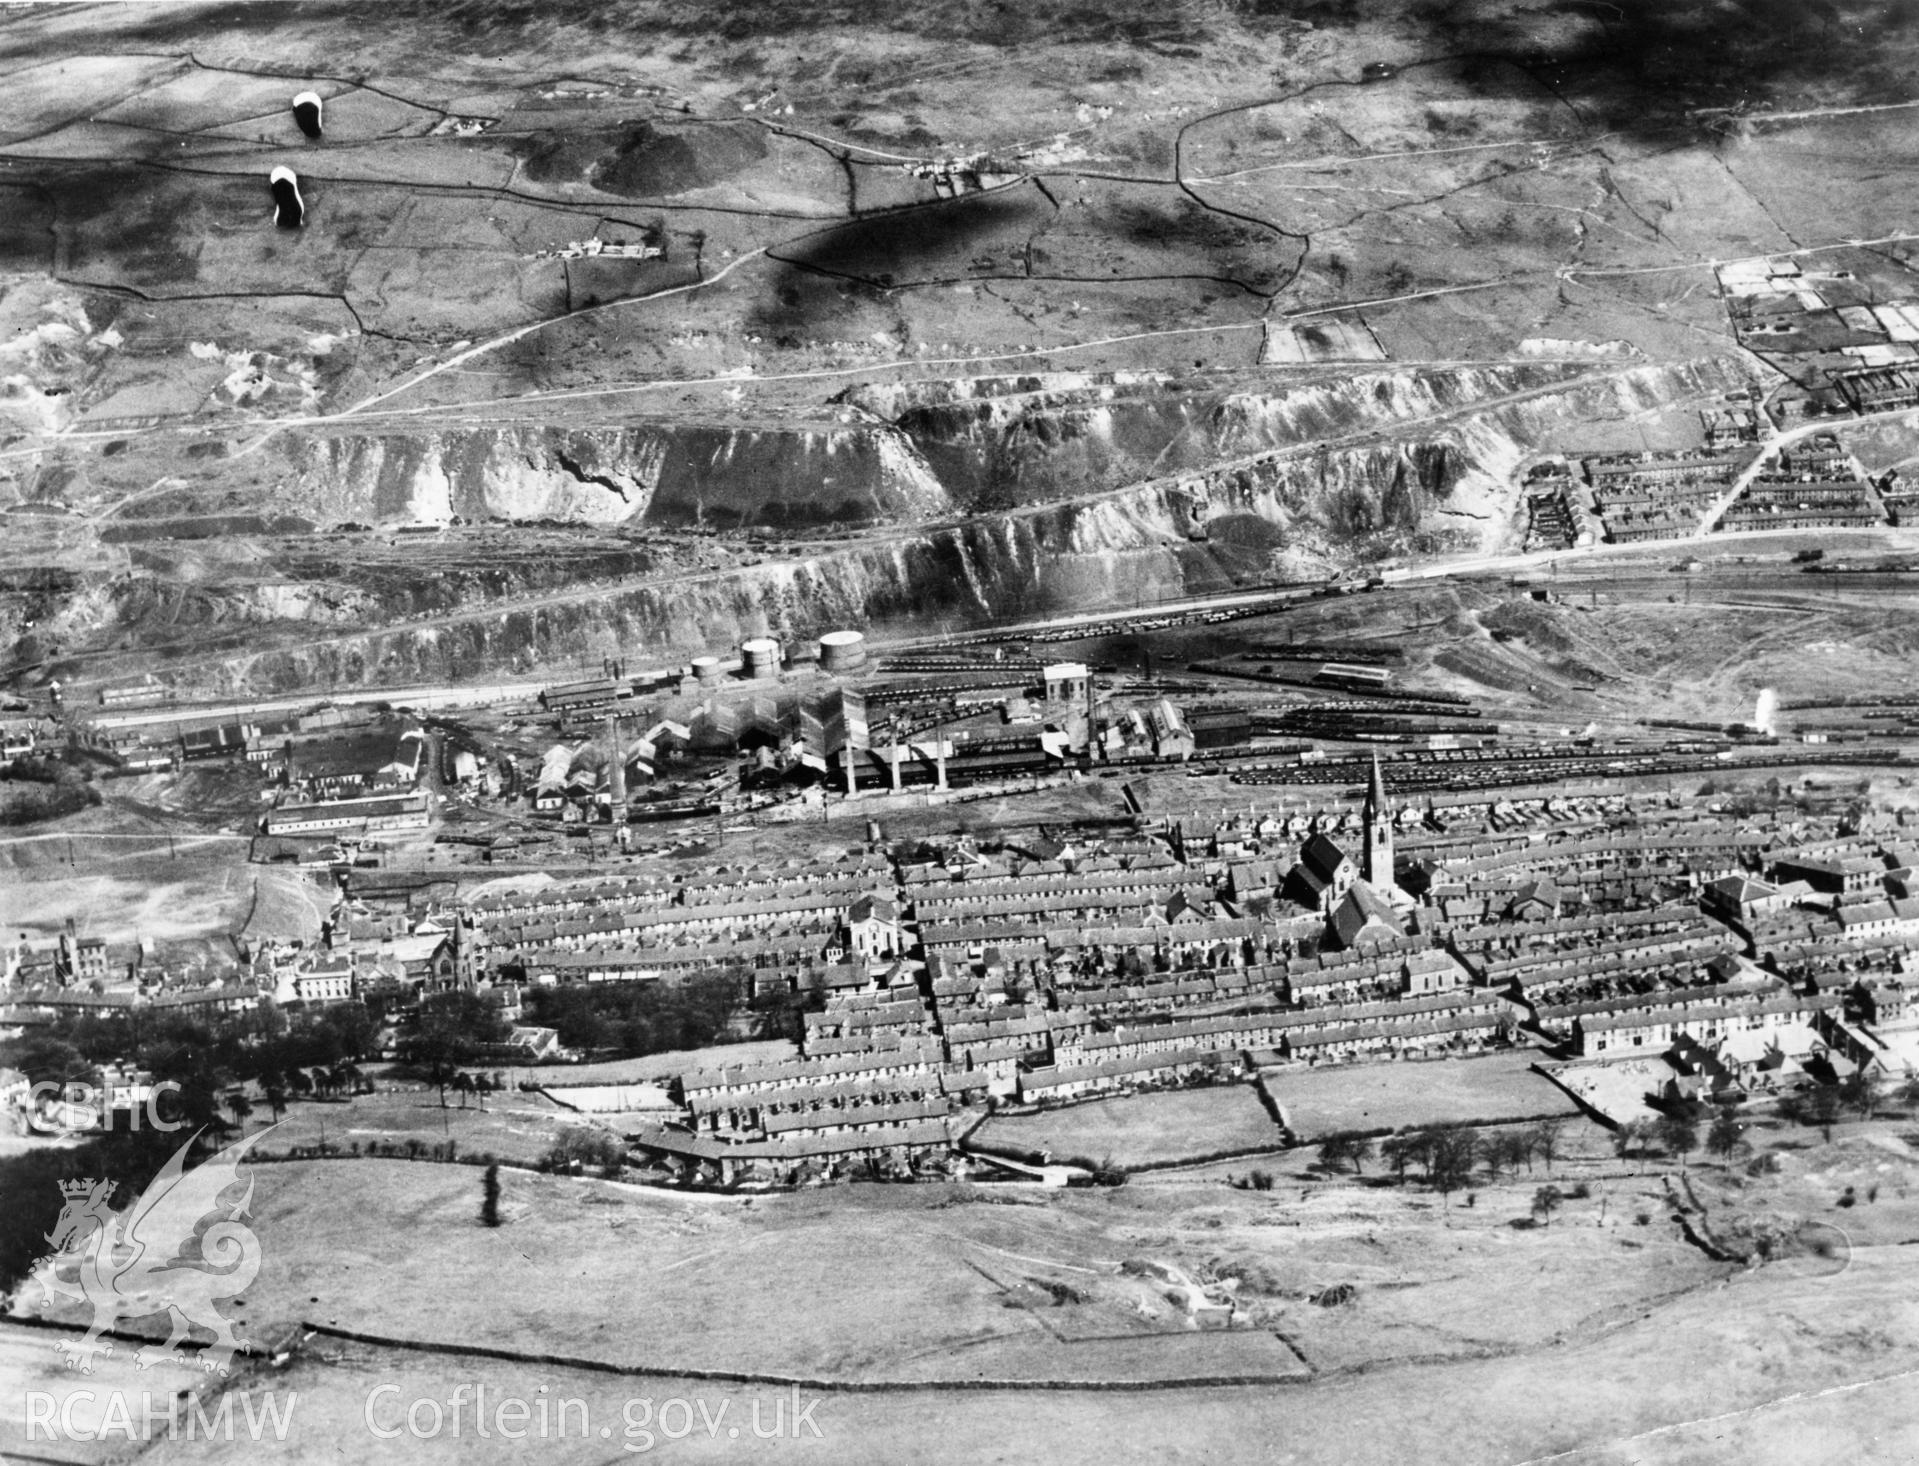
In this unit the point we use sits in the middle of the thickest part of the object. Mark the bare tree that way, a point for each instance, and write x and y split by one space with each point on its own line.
1626 1139
1547 1137
1508 1151
1450 1159
1402 1151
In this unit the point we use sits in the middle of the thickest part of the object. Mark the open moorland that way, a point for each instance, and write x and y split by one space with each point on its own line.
1526 1339
673 332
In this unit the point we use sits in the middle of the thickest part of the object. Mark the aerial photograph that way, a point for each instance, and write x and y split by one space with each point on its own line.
964 732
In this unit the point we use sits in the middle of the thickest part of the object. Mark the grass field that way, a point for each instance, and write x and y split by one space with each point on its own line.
933 1282
716 1282
514 1127
30 1362
118 895
1332 1098
1603 1312
1143 1129
1646 1391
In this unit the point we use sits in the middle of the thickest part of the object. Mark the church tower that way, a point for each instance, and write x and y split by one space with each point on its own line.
1377 867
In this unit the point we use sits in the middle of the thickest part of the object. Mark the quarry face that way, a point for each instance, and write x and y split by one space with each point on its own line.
486 483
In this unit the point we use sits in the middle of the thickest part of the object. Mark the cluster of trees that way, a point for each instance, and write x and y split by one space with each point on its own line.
451 1031
37 788
1105 1172
478 1085
779 1014
209 1059
1822 1106
280 1086
578 1148
231 1048
638 1018
1680 1129
1448 1155
1676 1133
339 1033
30 1182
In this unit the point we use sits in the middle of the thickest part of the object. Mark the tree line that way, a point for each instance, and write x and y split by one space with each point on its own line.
1448 1156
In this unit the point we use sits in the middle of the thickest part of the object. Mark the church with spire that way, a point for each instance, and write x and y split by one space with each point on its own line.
1376 817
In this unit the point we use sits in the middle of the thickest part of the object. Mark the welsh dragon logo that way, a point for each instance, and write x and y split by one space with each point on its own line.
174 1251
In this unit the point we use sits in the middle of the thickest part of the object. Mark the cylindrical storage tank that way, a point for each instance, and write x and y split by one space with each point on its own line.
842 651
761 657
708 669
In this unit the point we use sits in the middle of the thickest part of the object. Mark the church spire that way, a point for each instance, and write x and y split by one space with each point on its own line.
1377 866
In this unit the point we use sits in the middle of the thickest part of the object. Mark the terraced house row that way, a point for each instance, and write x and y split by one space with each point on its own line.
932 990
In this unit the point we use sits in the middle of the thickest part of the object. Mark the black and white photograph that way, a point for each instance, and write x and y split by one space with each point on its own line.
987 731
